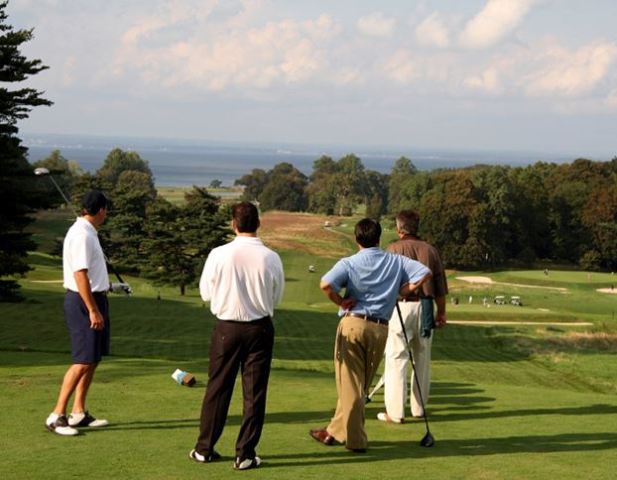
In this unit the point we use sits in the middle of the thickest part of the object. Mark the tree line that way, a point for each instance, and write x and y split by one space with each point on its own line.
479 217
145 234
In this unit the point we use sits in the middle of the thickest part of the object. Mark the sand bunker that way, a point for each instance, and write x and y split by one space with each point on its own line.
476 279
607 290
489 281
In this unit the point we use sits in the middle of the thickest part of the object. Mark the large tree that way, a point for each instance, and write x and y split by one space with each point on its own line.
19 194
179 238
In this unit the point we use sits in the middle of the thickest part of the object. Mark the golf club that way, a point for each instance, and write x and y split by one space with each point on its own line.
116 288
427 440
380 384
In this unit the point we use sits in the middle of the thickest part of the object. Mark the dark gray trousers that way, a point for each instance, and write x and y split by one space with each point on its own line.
244 346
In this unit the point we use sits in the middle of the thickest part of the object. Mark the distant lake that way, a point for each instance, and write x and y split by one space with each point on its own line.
186 163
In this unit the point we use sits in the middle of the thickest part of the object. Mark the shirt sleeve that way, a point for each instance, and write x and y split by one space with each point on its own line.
207 278
414 270
80 253
279 280
338 276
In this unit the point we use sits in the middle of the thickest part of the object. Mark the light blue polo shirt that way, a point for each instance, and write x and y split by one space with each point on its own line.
374 277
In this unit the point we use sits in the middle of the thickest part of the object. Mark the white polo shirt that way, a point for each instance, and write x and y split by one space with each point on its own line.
82 250
243 280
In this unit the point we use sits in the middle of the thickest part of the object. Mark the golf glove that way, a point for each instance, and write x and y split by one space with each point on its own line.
118 287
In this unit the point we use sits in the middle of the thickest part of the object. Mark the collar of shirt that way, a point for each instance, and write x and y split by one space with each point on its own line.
253 240
87 225
370 251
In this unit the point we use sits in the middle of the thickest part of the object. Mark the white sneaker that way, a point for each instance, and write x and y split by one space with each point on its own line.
247 463
384 417
86 420
58 424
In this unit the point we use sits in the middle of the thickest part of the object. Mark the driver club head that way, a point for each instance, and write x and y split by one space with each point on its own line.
41 171
427 440
367 399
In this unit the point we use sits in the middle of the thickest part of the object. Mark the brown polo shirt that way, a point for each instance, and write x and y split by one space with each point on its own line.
425 253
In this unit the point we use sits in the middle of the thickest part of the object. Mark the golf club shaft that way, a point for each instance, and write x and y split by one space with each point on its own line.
413 366
69 204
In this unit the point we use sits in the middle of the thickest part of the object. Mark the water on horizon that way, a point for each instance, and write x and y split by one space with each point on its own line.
185 163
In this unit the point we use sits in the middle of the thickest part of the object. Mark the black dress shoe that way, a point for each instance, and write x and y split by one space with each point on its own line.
356 450
322 436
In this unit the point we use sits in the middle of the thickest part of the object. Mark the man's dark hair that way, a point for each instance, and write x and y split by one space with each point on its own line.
245 217
92 202
408 222
368 232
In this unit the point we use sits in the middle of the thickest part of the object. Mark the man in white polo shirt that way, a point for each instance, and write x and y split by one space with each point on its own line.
243 280
86 314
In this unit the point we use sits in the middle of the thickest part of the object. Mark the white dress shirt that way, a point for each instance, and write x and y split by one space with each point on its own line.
82 250
243 280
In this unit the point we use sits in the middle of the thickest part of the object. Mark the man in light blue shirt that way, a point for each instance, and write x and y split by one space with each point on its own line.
372 280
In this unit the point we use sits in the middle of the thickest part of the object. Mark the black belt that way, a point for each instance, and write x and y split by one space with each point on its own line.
94 294
379 321
262 319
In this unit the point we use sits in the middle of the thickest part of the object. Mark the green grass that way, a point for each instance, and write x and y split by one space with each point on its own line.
507 401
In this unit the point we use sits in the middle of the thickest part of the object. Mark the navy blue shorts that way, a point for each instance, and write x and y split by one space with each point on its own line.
87 345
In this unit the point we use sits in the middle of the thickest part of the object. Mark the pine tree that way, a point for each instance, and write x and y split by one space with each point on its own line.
19 194
179 238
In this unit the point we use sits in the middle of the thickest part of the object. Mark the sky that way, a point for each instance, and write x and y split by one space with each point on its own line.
511 75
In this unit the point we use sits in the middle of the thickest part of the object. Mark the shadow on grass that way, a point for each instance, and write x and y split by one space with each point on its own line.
380 451
437 415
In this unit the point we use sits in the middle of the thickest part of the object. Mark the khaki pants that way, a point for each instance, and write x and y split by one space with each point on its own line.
397 362
358 351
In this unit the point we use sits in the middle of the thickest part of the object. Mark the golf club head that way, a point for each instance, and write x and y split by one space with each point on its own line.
41 171
427 440
367 399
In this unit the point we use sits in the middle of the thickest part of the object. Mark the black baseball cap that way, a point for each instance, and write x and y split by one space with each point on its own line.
93 201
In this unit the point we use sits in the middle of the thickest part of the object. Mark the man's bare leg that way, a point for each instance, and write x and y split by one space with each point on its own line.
72 378
81 391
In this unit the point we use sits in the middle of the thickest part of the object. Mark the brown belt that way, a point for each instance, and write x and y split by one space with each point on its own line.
379 321
411 298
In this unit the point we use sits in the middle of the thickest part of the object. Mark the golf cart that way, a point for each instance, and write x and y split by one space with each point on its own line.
516 300
500 300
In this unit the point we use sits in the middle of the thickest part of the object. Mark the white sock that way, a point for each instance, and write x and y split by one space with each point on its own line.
78 416
52 418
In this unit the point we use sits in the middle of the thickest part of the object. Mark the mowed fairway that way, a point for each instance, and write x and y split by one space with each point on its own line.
508 401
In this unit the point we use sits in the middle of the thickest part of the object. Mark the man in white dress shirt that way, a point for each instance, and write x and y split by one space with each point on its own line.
86 314
243 280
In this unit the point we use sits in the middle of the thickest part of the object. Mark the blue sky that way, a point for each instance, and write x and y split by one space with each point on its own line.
526 75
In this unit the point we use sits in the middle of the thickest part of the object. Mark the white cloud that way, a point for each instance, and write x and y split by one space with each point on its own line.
495 21
488 81
432 32
611 100
572 73
217 56
376 25
401 67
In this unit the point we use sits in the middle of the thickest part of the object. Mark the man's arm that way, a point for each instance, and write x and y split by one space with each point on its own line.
333 295
440 320
409 288
83 287
205 280
279 281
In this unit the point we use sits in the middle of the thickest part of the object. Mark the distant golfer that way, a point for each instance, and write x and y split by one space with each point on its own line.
417 313
372 280
243 281
86 314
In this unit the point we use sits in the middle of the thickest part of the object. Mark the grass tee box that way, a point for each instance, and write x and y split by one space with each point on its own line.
483 429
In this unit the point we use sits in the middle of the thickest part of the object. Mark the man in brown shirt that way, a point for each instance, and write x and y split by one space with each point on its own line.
417 312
